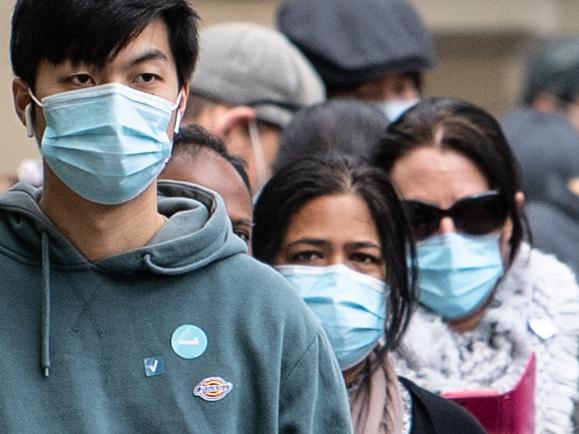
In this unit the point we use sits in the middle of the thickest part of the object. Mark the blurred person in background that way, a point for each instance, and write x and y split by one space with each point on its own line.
199 158
544 135
345 126
249 82
335 229
488 299
372 50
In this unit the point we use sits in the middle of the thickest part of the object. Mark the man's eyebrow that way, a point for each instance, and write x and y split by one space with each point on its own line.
151 54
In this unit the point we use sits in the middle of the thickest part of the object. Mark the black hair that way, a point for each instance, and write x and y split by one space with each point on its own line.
93 31
340 90
337 126
193 138
302 181
458 125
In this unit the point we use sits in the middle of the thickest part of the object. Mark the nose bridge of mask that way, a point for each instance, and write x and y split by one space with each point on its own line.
337 281
155 109
456 250
108 107
73 96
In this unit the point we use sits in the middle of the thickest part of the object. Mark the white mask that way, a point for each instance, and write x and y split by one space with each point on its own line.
394 108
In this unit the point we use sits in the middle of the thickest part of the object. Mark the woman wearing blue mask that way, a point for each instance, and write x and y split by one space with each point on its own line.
336 230
488 300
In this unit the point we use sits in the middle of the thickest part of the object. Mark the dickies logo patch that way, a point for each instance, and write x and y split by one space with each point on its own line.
212 389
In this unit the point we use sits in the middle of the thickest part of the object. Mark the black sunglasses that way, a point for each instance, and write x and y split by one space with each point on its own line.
475 215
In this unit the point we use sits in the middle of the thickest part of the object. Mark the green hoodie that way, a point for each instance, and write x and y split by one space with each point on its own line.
105 329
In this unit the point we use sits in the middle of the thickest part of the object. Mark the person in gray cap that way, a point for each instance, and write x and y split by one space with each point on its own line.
548 117
248 83
373 50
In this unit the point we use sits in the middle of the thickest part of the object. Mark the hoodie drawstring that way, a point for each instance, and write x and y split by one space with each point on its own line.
45 321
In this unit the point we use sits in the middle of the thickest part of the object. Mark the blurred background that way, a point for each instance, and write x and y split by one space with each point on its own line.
481 46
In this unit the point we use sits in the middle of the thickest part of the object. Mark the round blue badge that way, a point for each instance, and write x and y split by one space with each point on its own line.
189 341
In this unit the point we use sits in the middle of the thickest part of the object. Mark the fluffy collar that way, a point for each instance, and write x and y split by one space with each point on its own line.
535 309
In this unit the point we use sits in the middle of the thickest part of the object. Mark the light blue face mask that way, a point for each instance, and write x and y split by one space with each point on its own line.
458 272
351 307
107 143
394 108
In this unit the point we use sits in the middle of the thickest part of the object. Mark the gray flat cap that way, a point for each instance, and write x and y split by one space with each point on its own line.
554 70
353 42
249 64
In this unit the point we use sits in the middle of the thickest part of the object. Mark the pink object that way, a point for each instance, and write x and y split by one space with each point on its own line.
503 413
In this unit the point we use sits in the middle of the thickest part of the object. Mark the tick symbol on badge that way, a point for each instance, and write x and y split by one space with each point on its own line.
154 366
189 341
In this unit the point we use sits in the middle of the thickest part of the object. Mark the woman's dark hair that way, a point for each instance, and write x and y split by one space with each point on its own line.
460 126
345 126
93 31
302 181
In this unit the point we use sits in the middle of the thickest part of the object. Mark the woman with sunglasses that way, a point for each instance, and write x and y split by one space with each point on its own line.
335 229
488 300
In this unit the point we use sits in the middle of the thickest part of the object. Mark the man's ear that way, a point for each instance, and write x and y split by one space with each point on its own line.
182 106
184 98
233 117
21 98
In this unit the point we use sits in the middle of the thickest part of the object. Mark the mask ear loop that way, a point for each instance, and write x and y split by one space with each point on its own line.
257 147
179 115
28 114
28 120
178 119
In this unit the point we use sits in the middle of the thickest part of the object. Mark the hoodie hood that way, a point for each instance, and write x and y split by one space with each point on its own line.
196 233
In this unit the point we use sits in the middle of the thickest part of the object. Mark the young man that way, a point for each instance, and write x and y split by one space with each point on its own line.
122 312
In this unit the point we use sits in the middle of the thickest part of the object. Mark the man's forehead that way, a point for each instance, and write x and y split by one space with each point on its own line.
149 44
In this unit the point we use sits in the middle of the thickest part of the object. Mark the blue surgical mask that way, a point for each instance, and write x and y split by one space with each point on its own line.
351 307
107 143
394 108
458 272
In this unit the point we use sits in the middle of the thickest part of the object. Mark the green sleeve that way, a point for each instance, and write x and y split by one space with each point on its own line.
313 396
